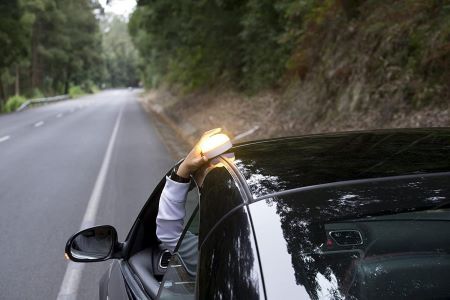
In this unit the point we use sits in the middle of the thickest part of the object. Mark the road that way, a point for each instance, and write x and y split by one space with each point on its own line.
50 161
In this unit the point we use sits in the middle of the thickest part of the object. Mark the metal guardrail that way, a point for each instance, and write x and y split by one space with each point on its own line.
42 100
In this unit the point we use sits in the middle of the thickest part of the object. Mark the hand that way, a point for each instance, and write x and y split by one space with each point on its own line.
194 160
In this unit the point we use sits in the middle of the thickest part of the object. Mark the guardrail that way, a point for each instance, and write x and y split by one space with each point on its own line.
42 100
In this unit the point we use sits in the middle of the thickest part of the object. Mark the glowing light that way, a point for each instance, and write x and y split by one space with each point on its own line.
215 145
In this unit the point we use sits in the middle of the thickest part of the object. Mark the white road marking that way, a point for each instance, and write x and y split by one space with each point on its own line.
59 115
39 124
72 277
4 138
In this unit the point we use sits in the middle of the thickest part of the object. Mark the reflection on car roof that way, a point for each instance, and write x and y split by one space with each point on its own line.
278 165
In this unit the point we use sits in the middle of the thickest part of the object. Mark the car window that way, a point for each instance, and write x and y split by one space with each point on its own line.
179 279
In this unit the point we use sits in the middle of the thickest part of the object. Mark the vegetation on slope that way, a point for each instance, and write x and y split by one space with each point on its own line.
289 67
340 48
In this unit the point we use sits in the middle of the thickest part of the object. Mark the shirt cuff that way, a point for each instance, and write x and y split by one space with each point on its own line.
176 191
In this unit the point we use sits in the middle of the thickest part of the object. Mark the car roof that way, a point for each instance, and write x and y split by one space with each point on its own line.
277 165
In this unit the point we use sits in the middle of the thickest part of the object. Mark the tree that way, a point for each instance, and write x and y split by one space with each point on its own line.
188 43
13 38
120 56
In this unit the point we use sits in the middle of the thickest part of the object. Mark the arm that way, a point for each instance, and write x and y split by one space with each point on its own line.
171 211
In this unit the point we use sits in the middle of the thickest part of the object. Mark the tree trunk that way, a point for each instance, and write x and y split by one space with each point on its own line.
2 93
17 85
67 82
34 56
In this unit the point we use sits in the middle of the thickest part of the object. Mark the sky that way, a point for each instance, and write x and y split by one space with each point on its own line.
119 7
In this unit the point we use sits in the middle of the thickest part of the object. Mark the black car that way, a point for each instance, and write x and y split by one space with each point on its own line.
360 215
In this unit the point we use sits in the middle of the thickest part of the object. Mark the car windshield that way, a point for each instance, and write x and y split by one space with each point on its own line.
376 240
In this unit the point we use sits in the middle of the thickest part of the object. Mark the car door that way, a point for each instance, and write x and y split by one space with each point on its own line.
142 259
151 283
133 276
180 278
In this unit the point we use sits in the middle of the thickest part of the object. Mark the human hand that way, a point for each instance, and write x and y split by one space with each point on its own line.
194 160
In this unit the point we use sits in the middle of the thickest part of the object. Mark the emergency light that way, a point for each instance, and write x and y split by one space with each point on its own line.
215 145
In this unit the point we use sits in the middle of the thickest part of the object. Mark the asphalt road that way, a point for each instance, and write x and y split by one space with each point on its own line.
50 160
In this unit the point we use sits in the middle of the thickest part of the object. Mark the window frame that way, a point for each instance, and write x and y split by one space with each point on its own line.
246 197
239 182
194 214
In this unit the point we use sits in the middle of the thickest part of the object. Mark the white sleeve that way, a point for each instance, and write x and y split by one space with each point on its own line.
171 212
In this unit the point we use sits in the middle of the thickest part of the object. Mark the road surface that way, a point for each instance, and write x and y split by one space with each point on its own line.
50 162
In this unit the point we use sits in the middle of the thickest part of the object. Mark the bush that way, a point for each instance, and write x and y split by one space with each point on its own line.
14 103
76 91
90 87
94 89
36 93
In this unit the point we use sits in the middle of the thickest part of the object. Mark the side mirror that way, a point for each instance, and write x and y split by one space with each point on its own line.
92 244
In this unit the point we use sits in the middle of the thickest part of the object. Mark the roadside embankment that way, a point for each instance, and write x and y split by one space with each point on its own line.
269 115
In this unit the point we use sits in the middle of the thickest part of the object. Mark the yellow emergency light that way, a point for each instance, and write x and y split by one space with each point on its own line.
215 145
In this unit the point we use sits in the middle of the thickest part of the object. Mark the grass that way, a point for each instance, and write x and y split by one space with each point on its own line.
76 91
13 103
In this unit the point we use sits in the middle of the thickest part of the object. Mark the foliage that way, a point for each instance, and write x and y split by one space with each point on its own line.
13 37
36 93
89 87
119 55
262 44
47 46
14 103
188 43
50 45
76 91
245 43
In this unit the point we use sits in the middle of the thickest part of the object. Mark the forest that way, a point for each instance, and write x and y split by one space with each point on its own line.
54 47
290 67
256 44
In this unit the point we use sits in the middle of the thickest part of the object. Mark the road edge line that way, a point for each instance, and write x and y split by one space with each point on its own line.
72 276
4 138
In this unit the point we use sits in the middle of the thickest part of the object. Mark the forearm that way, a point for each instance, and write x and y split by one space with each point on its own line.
171 213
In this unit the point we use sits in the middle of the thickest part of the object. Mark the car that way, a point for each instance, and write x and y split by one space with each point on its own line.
353 215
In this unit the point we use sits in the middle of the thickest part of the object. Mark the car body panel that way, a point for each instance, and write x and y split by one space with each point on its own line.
133 282
112 285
